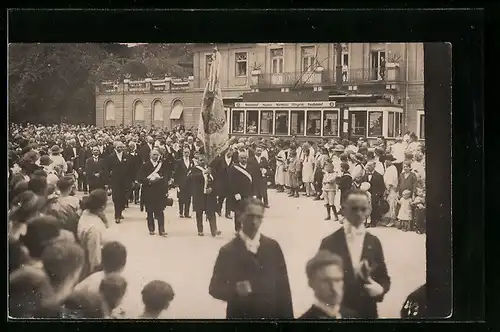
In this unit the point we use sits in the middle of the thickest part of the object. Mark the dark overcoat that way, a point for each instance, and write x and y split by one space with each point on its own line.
267 273
153 193
202 201
355 296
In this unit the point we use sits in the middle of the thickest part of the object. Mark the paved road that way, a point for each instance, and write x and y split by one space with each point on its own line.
186 260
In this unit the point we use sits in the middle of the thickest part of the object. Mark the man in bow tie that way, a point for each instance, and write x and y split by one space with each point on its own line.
250 272
366 280
325 272
94 170
377 190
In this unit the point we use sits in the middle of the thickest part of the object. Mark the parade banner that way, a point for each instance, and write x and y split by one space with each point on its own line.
213 129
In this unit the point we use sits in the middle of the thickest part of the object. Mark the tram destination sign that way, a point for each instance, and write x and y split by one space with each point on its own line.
307 104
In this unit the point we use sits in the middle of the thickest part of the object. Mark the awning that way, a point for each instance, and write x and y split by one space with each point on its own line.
176 111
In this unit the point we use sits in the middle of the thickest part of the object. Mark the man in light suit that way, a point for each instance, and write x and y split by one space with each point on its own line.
366 280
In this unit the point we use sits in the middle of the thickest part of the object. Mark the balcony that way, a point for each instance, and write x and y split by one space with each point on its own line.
351 76
362 76
278 80
145 86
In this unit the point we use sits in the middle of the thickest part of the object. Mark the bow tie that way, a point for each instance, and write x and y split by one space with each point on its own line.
370 173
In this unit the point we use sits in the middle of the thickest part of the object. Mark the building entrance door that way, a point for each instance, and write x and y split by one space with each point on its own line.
357 125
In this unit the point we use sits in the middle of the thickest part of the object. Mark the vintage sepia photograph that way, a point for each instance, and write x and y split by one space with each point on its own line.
216 181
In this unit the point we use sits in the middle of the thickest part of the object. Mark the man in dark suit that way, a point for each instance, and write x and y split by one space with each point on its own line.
169 157
250 272
104 149
243 183
119 171
377 190
154 190
71 152
325 272
182 169
204 197
263 165
366 280
146 148
135 163
221 166
84 154
95 170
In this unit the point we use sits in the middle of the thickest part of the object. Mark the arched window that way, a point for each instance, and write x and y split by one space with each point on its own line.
138 112
109 111
158 111
177 109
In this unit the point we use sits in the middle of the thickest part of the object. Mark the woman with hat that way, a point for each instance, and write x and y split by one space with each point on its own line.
391 179
56 157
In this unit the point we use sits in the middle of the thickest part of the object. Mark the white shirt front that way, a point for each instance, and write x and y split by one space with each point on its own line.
186 162
391 176
252 245
355 238
119 155
228 160
398 151
333 312
74 152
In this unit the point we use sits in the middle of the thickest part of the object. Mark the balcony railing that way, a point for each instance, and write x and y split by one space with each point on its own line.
289 79
366 75
350 76
145 86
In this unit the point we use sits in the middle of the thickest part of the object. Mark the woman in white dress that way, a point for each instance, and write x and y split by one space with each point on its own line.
391 183
308 171
280 170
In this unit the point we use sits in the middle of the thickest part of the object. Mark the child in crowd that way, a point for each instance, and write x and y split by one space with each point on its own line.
70 172
419 209
156 297
404 213
329 190
112 289
293 172
365 186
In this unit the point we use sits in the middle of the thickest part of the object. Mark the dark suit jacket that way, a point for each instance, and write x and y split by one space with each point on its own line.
68 155
144 152
355 296
153 193
377 185
221 175
239 183
135 163
409 183
91 168
316 313
202 201
181 173
267 273
85 153
119 173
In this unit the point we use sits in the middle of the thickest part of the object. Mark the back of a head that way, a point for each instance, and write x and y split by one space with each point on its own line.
29 286
156 295
112 289
85 304
65 184
38 184
96 200
25 205
41 230
62 260
114 257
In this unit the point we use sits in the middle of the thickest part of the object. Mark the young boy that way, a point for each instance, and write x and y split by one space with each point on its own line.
329 190
156 297
112 290
419 209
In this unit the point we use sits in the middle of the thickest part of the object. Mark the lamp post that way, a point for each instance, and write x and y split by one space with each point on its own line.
338 84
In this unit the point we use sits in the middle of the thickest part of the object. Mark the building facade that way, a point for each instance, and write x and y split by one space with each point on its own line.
285 89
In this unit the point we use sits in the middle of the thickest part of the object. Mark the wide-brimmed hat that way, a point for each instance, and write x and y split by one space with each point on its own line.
339 148
357 157
389 157
56 149
45 160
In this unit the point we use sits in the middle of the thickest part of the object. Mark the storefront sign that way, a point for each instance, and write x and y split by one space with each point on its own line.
310 104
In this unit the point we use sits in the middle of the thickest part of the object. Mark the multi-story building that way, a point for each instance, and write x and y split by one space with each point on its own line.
281 89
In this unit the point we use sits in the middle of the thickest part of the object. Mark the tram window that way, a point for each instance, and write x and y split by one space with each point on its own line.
252 121
375 124
390 124
238 121
314 123
398 126
282 123
266 122
331 123
298 123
